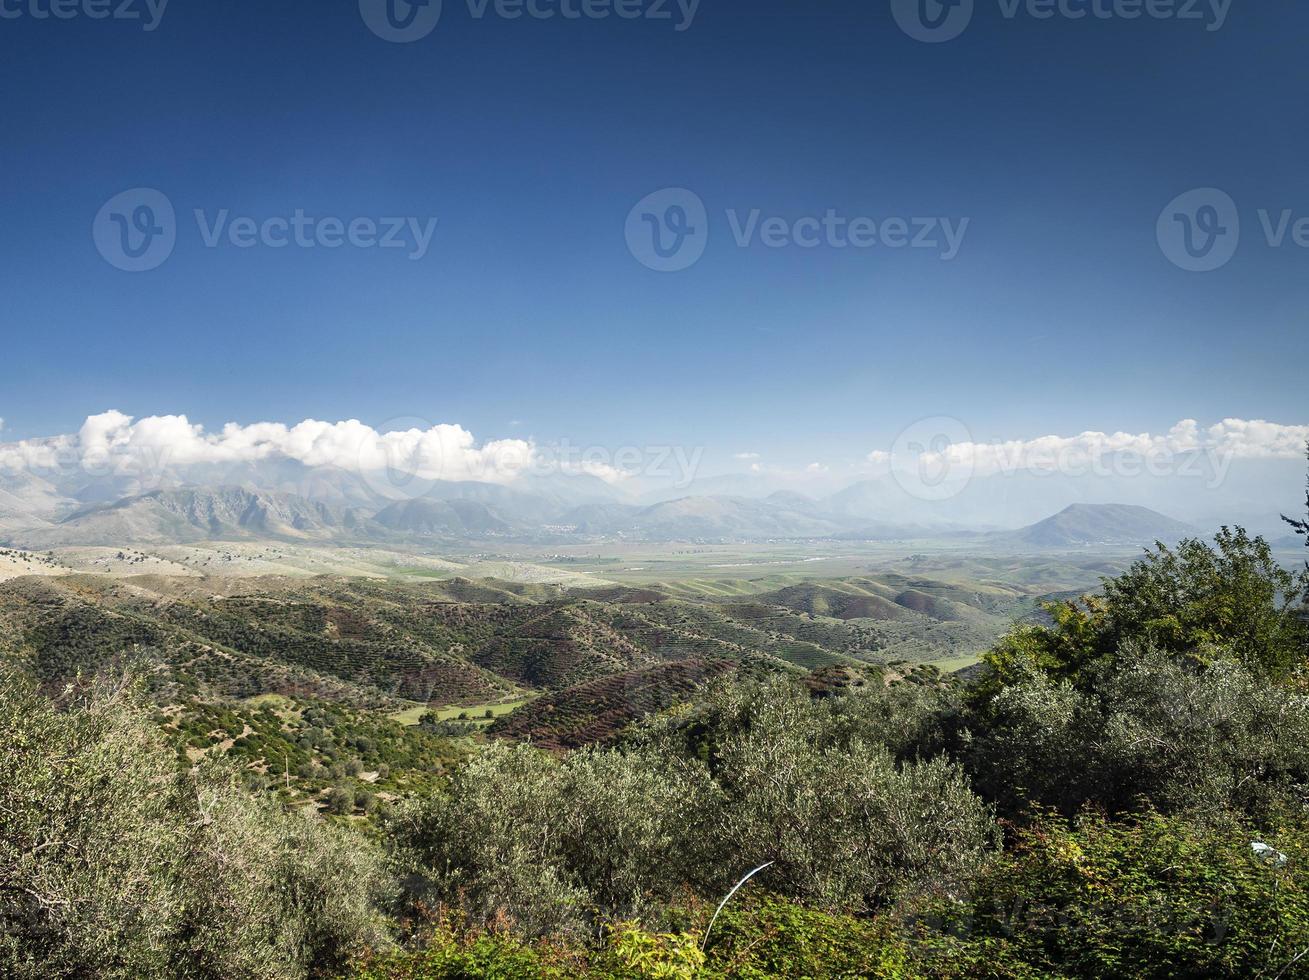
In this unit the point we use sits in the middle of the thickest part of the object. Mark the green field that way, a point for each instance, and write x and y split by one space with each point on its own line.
475 712
951 664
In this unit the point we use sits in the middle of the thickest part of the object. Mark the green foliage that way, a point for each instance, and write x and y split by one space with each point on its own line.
776 938
136 845
115 864
313 750
663 956
763 940
1184 738
1153 897
548 844
552 844
1302 527
816 791
448 955
906 719
1190 601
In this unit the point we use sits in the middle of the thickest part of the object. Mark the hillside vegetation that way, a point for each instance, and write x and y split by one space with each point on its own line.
1119 793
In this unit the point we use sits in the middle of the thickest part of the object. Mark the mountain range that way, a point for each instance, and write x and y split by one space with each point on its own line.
343 508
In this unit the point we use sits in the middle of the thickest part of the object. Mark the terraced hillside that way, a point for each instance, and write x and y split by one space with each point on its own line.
592 660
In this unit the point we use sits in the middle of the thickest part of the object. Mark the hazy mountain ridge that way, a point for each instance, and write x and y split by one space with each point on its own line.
295 503
196 514
1085 525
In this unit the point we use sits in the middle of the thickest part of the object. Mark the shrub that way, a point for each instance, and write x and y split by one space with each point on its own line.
1232 597
1154 897
847 826
549 843
555 845
115 864
1185 738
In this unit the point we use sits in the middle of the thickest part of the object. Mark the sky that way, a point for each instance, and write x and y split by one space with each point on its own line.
1045 165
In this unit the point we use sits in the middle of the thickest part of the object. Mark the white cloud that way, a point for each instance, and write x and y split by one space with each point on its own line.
115 444
746 456
1227 440
591 467
879 457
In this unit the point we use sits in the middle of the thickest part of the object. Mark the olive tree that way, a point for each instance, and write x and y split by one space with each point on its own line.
113 863
552 845
1184 737
847 826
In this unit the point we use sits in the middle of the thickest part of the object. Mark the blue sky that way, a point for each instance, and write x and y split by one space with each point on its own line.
1060 141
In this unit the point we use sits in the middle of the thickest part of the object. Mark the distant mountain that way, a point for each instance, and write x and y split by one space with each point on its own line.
1083 525
195 514
599 518
23 494
732 517
458 517
345 508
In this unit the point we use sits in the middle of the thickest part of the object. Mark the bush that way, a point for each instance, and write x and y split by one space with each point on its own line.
1154 897
115 864
758 941
558 845
548 844
847 826
1192 602
1184 738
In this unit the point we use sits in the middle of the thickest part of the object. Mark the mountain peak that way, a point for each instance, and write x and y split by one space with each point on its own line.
1083 525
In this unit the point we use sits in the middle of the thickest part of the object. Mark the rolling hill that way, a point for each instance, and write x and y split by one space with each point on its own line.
601 654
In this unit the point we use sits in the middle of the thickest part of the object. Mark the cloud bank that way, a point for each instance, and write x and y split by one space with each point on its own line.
114 444
1221 443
